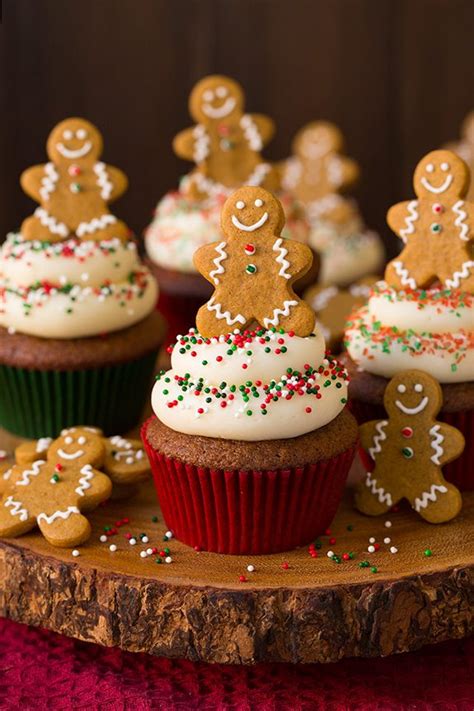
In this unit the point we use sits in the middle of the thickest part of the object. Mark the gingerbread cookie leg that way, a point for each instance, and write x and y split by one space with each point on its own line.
291 314
64 528
43 227
223 319
438 501
408 270
373 498
15 519
115 229
461 278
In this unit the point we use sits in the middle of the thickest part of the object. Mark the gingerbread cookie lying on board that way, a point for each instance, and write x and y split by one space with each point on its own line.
409 450
54 481
436 228
333 305
317 172
74 188
253 269
225 144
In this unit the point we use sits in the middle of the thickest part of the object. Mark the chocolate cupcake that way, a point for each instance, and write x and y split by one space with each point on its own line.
79 334
422 315
251 442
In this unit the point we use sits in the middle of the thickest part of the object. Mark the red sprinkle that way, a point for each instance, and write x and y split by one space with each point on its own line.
242 579
285 566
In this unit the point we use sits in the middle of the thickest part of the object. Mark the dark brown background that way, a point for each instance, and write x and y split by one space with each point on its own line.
396 75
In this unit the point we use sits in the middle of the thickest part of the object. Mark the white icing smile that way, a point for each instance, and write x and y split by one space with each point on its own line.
75 455
217 112
250 228
433 189
412 410
78 153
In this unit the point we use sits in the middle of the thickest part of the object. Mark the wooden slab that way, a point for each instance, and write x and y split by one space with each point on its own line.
309 610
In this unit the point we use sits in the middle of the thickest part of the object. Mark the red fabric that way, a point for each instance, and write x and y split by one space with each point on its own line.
42 671
241 512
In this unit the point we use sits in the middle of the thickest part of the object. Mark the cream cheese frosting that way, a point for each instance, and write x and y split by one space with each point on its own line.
432 330
181 225
250 386
74 288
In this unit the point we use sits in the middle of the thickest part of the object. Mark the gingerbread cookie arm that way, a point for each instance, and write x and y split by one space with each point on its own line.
368 433
95 486
401 218
29 452
5 473
265 126
447 443
295 258
348 170
31 180
184 143
119 182
208 260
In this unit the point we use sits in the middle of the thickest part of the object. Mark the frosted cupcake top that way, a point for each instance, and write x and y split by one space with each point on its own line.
72 288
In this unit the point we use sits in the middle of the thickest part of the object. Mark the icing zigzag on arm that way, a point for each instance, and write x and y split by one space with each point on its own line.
87 475
409 220
220 249
251 133
28 473
281 258
378 438
49 181
460 220
436 444
100 169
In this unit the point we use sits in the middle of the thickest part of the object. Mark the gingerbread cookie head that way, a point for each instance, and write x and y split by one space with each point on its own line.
317 139
125 460
215 98
441 175
409 449
413 393
77 447
253 269
73 141
252 212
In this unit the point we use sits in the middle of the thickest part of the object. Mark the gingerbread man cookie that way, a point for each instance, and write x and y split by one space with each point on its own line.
317 172
409 450
436 228
226 143
334 305
53 491
465 149
74 188
253 269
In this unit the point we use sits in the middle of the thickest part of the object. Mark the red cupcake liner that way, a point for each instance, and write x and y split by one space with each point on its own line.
247 512
460 472
179 312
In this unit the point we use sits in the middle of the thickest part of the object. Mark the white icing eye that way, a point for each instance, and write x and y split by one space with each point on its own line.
445 166
401 388
221 91
68 440
81 133
208 95
81 440
240 204
418 388
67 134
429 168
258 202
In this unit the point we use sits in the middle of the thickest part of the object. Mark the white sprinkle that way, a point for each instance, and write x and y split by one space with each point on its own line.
11 330
371 540
169 534
330 554
112 547
387 540
103 538
371 549
85 276
142 554
75 553
145 539
63 279
393 549
132 541
168 559
250 568
149 551
129 460
388 524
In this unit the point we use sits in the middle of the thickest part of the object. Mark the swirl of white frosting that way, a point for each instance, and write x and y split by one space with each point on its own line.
250 386
432 330
74 288
180 226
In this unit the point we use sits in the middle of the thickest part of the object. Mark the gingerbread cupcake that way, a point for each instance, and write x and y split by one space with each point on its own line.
225 144
79 333
251 442
422 315
317 175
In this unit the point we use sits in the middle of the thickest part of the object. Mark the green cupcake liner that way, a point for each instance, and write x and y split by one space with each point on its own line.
40 403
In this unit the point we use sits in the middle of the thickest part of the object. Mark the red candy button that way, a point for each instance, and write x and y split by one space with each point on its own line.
74 170
249 249
438 208
407 432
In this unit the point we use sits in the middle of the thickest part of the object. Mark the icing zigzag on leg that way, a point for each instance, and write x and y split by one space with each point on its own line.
422 501
285 311
383 496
